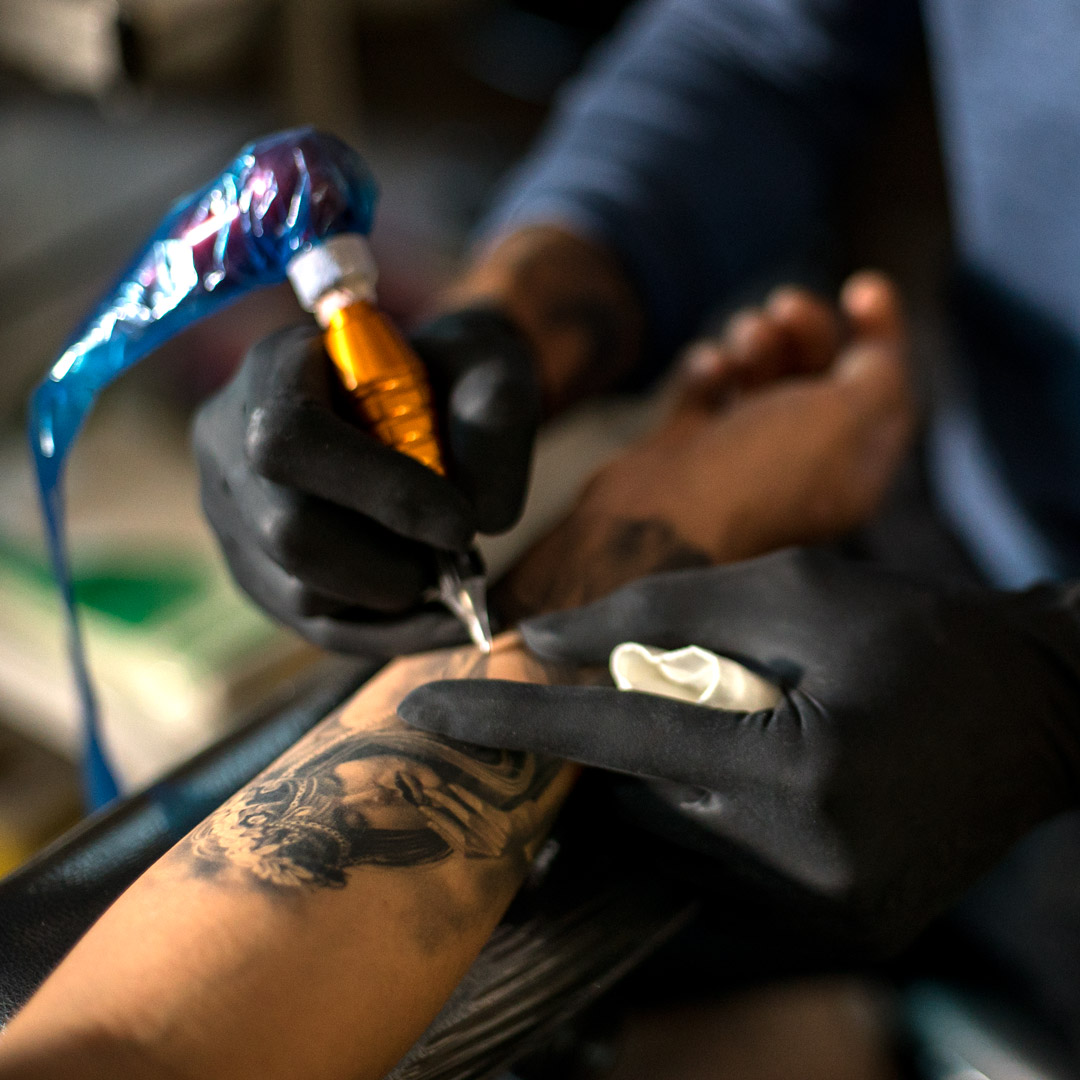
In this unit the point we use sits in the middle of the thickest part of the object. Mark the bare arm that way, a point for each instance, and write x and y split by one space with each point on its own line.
316 922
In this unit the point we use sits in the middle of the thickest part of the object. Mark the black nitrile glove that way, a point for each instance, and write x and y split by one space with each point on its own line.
921 732
332 532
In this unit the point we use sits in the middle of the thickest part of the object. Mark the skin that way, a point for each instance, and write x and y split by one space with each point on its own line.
817 412
362 872
197 969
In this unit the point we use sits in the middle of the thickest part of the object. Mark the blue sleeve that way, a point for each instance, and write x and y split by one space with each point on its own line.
701 142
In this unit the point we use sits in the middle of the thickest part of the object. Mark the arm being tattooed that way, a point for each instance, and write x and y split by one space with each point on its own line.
363 790
314 924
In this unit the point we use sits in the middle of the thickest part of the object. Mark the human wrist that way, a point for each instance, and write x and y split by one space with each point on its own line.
631 487
589 554
569 298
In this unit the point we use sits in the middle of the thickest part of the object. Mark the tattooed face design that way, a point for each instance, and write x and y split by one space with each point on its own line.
384 798
282 831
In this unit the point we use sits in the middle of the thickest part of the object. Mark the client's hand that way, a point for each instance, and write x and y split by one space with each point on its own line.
786 430
922 731
789 428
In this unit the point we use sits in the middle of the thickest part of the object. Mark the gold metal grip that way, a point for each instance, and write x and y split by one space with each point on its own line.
387 380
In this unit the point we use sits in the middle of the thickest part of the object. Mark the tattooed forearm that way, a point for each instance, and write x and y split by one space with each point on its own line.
362 790
382 798
572 299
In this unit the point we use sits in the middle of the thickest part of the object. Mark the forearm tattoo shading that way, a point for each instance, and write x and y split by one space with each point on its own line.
361 789
386 796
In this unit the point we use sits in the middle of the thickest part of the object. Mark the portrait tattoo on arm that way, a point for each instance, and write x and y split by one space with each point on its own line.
361 793
363 790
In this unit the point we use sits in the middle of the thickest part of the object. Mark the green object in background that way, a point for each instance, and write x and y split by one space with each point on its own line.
180 653
133 594
137 597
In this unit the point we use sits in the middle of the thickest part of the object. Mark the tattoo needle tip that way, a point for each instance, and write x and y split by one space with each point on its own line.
463 590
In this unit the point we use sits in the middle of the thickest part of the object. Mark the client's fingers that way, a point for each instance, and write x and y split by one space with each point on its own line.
874 367
757 346
793 333
872 374
705 378
810 328
872 304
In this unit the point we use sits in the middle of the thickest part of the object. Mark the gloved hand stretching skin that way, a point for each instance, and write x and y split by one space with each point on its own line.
330 531
921 734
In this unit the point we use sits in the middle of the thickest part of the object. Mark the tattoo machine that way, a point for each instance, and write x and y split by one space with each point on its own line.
299 205
335 281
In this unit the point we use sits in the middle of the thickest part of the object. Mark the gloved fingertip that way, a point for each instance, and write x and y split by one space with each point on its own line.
285 359
476 711
457 534
467 709
428 707
552 636
494 400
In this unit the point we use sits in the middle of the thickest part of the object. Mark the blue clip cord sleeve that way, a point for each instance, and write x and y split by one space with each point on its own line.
281 196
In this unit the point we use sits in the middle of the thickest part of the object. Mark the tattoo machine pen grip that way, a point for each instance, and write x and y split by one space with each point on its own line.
389 387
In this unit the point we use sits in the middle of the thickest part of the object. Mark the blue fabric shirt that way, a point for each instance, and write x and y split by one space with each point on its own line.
703 144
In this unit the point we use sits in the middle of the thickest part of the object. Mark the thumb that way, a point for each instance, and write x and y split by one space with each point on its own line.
622 731
873 376
873 368
483 374
493 415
